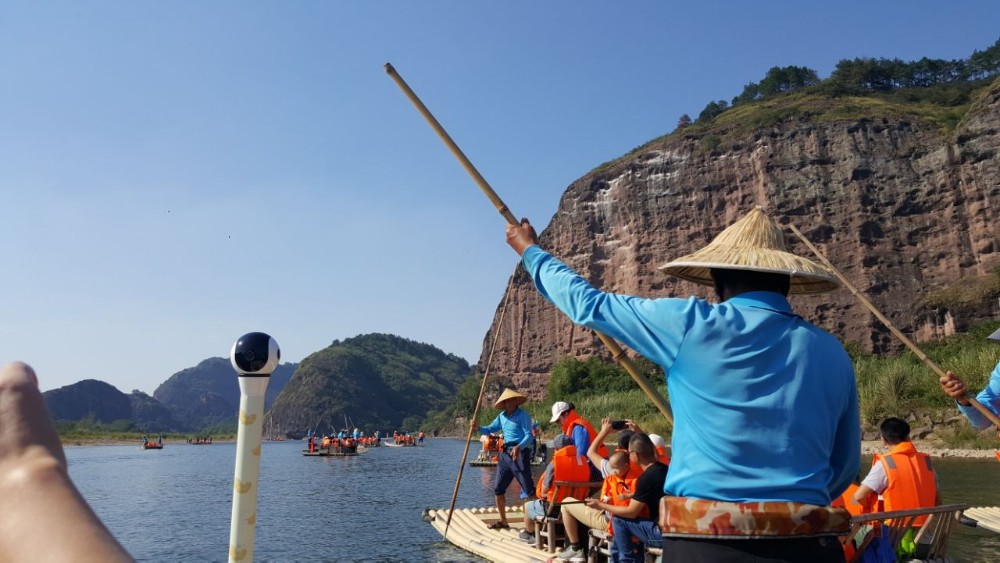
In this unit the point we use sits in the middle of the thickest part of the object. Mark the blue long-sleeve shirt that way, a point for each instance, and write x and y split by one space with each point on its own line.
765 404
990 397
516 428
581 441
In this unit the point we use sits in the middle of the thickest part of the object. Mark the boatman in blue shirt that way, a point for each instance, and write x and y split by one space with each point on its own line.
515 460
766 428
989 397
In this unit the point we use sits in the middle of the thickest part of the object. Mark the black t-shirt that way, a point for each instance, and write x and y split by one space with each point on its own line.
649 488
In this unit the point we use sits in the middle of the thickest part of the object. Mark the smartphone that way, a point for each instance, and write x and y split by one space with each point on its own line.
617 424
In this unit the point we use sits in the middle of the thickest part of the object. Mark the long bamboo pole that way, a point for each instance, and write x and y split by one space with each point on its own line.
902 337
616 351
475 411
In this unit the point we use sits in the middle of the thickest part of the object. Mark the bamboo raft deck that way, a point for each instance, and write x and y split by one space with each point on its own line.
469 531
490 463
324 452
986 517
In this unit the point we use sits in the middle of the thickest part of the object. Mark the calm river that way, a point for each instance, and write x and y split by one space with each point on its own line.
174 504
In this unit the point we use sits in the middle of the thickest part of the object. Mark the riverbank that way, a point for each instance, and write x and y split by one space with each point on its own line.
935 449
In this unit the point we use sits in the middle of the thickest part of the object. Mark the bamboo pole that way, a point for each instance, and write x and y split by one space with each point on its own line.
616 351
902 337
475 411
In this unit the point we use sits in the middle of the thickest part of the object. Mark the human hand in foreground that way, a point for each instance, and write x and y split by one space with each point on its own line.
955 388
521 236
44 517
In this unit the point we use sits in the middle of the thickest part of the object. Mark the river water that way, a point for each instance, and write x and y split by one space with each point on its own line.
174 504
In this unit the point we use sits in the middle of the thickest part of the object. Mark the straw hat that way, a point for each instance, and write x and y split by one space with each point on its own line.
509 393
757 243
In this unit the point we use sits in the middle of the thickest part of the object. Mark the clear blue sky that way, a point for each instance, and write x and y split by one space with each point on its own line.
176 174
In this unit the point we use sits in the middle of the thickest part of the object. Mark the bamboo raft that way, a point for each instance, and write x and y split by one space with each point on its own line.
469 531
326 452
986 517
491 463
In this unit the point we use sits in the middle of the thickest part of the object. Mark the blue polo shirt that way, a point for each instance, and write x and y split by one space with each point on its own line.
765 404
516 428
990 397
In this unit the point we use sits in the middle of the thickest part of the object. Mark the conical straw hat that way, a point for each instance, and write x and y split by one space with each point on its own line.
757 243
510 394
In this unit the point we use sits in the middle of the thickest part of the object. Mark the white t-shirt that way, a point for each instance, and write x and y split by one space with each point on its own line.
878 481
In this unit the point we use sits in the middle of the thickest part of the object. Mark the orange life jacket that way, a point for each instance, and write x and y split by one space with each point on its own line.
614 486
661 455
911 479
847 502
567 466
574 419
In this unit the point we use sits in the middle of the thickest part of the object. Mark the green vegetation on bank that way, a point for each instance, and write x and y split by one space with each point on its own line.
887 386
89 430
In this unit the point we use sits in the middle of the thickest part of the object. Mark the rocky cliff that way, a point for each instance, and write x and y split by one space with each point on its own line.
900 204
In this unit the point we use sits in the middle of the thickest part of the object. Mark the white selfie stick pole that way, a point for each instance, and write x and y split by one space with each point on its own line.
255 356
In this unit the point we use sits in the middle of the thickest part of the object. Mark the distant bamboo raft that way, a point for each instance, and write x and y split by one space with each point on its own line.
986 517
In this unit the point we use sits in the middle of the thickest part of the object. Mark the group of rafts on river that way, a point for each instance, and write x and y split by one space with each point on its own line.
349 444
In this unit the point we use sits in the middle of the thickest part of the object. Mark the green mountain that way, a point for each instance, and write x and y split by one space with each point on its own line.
376 381
150 415
88 399
209 393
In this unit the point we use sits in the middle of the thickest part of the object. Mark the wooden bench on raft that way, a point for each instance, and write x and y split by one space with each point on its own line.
599 548
548 529
931 537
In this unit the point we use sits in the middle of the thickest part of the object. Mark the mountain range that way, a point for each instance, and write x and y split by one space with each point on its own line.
373 381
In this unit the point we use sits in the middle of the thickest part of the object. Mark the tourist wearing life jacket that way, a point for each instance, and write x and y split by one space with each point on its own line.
748 379
635 525
514 461
616 468
904 477
661 448
566 465
580 429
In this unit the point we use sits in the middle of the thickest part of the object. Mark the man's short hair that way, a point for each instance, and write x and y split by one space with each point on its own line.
643 447
894 430
623 437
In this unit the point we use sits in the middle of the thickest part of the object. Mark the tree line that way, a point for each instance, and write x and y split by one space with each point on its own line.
861 76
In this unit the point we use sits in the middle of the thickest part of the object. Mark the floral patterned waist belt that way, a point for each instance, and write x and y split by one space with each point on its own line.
680 516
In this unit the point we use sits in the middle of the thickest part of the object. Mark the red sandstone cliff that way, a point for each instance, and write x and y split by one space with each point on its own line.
898 206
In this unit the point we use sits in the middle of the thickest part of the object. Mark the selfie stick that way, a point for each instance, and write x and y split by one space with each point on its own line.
255 356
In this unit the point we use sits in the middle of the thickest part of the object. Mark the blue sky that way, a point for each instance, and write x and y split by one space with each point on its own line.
176 174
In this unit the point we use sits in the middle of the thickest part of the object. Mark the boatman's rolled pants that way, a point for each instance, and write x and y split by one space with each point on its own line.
509 469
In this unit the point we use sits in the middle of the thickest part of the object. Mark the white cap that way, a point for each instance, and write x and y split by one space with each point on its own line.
558 408
657 440
995 335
